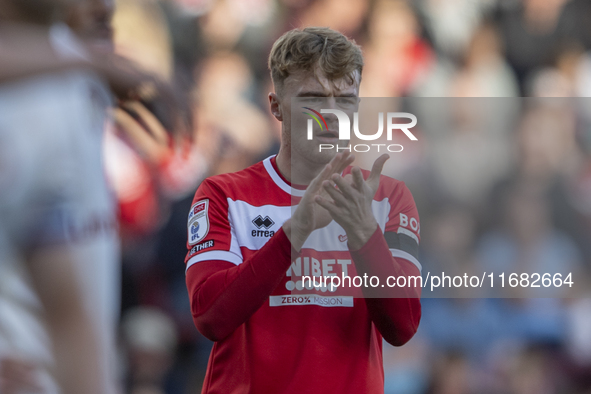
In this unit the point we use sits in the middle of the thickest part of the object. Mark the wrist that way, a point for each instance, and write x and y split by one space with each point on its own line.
296 236
358 237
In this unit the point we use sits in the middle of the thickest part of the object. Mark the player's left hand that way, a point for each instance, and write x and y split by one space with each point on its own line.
131 84
145 133
351 202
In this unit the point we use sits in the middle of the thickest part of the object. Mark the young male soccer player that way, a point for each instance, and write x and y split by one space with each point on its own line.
243 238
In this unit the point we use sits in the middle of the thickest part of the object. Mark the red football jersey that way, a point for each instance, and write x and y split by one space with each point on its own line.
302 339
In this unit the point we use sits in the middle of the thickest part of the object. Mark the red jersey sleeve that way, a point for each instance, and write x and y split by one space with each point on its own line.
403 229
396 312
209 233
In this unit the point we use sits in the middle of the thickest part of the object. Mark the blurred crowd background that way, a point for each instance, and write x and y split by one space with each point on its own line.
515 196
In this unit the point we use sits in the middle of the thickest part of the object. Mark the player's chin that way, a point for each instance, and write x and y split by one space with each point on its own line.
323 155
320 152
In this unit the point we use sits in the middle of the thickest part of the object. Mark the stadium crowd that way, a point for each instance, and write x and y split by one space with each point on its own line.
515 196
517 193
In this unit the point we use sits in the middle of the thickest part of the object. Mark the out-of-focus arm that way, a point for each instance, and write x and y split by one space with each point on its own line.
27 51
74 338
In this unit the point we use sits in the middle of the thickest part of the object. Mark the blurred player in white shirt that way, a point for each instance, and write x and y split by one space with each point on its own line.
54 199
51 198
44 212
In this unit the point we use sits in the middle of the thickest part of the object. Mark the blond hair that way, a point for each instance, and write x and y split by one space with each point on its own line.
304 50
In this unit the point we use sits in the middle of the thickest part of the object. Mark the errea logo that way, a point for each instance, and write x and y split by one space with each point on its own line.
263 224
266 222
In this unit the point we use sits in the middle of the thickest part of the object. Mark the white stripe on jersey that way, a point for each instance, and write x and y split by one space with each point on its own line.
402 230
215 255
252 226
234 243
280 182
241 215
407 256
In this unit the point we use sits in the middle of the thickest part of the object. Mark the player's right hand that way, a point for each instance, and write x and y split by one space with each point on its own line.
309 215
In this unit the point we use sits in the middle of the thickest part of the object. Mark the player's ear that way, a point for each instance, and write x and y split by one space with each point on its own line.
275 106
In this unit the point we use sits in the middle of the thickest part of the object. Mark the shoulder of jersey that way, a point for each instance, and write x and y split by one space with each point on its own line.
254 181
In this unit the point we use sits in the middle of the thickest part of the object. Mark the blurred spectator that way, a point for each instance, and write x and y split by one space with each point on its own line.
187 42
484 72
527 241
226 20
346 16
396 57
568 76
574 23
235 132
141 34
468 147
407 368
481 70
550 161
529 369
452 375
529 30
579 340
452 23
150 340
449 241
141 158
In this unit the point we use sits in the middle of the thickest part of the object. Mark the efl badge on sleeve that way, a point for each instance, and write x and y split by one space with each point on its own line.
198 225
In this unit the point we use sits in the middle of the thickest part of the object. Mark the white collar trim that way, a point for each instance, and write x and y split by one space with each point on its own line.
279 181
